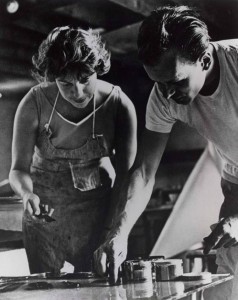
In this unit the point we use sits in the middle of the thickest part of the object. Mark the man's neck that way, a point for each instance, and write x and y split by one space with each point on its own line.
213 74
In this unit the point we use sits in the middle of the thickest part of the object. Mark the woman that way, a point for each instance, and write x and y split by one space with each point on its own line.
72 134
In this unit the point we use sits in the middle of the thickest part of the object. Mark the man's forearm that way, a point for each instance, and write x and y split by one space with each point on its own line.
113 209
135 196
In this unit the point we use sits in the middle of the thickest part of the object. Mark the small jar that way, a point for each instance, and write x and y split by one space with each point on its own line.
137 270
168 269
142 271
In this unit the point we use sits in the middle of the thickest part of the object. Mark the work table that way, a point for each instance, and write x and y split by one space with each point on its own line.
99 289
94 288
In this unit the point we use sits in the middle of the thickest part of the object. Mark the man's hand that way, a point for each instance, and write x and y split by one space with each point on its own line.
225 234
112 252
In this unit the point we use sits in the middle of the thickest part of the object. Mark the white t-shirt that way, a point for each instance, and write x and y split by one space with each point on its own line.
215 117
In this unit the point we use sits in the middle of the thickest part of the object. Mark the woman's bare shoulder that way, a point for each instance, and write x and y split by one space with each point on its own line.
104 87
33 95
49 89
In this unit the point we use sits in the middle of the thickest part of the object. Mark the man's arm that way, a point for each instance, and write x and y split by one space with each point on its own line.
125 151
141 179
134 197
225 232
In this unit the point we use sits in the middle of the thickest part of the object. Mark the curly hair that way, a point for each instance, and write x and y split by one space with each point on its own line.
172 27
70 50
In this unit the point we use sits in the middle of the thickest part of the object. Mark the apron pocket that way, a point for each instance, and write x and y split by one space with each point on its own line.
85 176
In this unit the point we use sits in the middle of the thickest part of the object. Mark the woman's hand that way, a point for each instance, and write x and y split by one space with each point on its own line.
113 253
31 203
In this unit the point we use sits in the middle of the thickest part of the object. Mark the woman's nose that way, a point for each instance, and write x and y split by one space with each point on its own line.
77 89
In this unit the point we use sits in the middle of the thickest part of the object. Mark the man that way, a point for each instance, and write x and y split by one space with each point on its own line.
196 82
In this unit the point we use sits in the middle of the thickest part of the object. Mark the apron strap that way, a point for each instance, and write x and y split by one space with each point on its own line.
94 115
47 125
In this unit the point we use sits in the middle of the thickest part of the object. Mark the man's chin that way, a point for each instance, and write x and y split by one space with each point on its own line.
183 101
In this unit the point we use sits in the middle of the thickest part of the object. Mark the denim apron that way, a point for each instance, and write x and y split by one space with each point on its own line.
77 184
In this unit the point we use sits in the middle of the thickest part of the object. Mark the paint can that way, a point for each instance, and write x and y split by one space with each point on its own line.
168 269
137 270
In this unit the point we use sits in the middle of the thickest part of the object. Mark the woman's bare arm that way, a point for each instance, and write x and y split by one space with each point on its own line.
24 137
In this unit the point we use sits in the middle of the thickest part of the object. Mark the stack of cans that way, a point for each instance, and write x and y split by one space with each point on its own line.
158 269
137 270
167 269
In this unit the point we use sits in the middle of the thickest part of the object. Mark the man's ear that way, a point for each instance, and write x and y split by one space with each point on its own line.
206 61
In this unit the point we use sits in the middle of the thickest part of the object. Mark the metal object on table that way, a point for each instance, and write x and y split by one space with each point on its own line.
137 270
49 276
153 260
78 275
128 272
168 269
193 276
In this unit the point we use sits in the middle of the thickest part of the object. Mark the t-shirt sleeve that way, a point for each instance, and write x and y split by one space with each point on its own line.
158 116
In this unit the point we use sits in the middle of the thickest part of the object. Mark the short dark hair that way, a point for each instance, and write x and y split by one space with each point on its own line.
70 50
172 27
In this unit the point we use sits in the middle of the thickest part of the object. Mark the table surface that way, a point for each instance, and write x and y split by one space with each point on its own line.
99 289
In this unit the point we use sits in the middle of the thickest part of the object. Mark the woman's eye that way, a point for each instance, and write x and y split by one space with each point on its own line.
84 80
66 84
